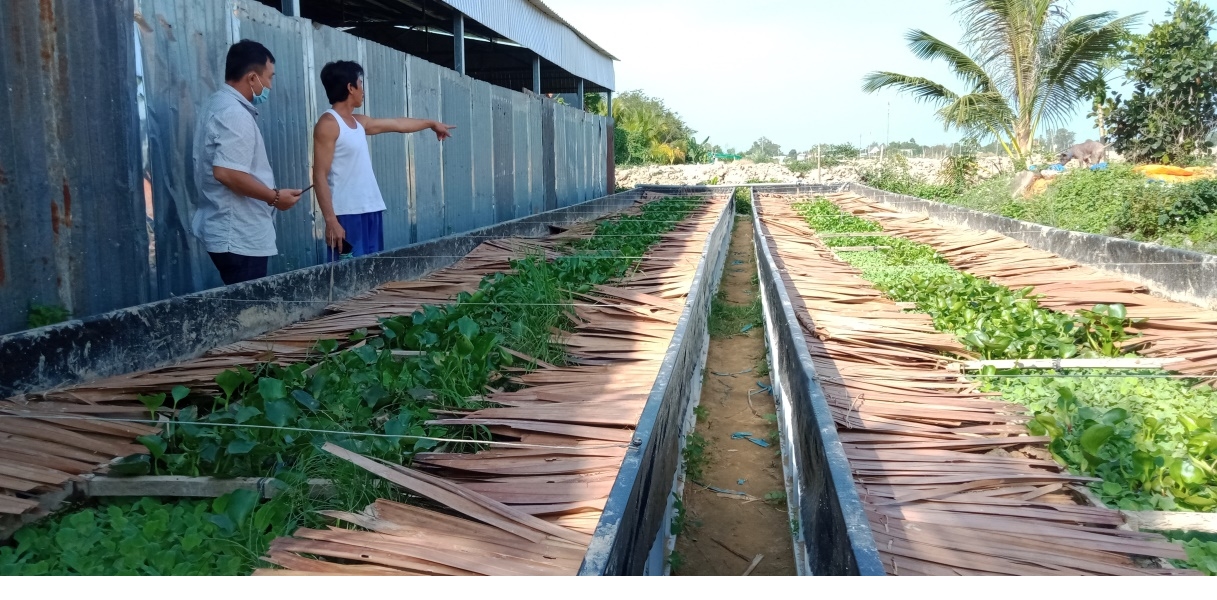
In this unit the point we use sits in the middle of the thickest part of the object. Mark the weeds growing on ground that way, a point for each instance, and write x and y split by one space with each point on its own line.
743 201
1116 201
41 315
694 455
728 319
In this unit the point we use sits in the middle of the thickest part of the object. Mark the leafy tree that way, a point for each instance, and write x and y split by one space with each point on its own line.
1095 91
912 146
1063 138
699 152
651 132
763 150
1024 64
593 102
1173 69
1042 144
832 155
793 154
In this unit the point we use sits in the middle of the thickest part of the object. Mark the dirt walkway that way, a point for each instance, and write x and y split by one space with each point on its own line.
723 532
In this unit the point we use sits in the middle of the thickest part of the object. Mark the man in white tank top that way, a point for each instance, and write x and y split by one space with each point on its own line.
347 192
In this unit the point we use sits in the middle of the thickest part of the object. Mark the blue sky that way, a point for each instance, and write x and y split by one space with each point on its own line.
790 70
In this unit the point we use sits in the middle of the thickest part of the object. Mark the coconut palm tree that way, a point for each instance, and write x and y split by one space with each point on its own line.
1024 65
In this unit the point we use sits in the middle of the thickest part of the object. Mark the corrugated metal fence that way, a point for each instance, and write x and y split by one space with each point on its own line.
72 226
88 134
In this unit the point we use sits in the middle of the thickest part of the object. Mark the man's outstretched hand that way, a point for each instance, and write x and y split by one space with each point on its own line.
442 131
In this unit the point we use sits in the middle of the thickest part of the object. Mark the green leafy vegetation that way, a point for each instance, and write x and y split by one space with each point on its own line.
676 560
142 537
701 413
373 397
743 201
728 319
892 174
1149 437
1201 550
1116 201
832 155
680 519
375 402
41 315
646 131
694 455
1173 73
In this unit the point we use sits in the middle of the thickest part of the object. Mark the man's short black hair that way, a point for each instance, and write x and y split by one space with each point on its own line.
243 57
336 76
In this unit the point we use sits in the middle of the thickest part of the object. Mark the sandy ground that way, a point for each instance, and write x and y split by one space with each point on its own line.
724 532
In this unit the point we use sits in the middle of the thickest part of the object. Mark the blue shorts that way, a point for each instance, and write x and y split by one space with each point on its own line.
365 233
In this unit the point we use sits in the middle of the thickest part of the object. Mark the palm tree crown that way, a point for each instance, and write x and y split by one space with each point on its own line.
1026 61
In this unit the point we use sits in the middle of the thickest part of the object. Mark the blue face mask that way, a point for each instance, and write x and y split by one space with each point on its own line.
262 97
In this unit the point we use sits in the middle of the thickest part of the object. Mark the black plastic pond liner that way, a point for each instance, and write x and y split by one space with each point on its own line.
832 534
632 534
161 333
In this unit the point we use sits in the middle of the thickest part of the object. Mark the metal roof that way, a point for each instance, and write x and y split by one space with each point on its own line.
537 27
502 38
549 11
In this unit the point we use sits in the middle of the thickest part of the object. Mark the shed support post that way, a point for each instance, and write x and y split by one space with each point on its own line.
458 42
608 102
290 8
580 103
536 74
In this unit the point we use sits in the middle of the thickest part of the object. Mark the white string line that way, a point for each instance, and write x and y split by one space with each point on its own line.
877 219
524 256
438 304
904 237
310 430
1073 266
367 434
553 236
1110 376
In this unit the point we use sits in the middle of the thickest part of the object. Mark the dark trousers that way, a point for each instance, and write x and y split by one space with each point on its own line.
365 234
235 268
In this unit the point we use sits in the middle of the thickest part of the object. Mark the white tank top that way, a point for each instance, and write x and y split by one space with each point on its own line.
352 182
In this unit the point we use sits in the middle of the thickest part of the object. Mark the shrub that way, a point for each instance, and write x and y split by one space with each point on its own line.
1192 202
836 154
892 174
960 172
801 167
743 201
1094 201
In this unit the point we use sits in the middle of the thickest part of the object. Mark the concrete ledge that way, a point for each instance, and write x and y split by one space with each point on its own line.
1181 275
637 510
834 535
162 333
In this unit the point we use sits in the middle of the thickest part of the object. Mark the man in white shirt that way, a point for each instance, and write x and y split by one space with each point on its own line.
237 195
347 192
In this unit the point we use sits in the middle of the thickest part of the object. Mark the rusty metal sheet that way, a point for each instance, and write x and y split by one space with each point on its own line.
73 230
